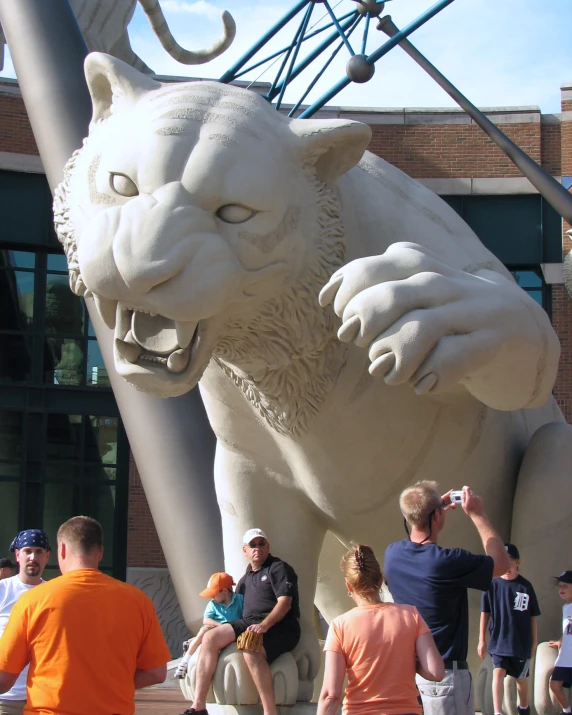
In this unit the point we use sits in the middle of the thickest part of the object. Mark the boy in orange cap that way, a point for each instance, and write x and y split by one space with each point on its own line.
224 606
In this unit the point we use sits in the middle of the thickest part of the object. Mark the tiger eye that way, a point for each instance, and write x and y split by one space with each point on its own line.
123 185
234 213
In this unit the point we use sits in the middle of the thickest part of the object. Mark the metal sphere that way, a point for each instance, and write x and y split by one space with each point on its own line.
370 6
358 70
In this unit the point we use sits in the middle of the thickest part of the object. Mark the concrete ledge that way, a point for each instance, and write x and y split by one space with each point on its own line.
566 116
553 273
481 187
27 163
298 709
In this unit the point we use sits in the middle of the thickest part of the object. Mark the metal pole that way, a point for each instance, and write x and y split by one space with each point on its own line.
380 52
171 440
548 187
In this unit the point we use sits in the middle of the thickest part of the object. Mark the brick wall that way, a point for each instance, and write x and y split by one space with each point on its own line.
442 151
15 131
143 547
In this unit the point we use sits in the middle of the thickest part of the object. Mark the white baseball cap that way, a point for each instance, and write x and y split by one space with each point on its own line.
253 534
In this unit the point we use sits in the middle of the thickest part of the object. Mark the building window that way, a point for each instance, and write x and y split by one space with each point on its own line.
45 330
63 449
533 283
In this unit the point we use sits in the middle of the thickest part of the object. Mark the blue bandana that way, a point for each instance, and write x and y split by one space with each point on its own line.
31 537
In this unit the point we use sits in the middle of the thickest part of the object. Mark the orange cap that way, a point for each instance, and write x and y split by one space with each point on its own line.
216 583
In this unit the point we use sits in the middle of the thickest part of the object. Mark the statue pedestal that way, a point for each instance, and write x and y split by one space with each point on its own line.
297 709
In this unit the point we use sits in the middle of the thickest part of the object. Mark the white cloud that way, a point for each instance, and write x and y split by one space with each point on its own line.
201 7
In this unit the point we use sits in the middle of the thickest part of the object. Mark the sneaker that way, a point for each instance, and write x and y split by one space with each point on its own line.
180 673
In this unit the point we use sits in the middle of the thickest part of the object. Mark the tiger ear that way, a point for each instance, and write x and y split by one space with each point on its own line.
112 83
330 146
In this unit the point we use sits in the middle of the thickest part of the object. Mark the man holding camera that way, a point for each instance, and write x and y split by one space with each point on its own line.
435 580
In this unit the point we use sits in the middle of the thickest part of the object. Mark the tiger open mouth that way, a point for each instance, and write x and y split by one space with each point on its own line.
143 337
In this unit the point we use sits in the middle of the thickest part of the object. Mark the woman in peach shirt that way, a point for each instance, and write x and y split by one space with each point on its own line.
379 646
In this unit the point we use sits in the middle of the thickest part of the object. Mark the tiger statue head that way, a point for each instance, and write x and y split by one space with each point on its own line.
203 223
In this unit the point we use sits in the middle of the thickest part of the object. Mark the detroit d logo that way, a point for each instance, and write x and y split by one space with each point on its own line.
521 601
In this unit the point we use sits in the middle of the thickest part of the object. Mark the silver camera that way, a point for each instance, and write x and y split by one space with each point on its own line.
456 496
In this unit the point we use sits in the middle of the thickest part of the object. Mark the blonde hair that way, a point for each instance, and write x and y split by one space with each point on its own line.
362 571
418 502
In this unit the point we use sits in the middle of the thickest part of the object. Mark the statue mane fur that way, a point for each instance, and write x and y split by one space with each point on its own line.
291 336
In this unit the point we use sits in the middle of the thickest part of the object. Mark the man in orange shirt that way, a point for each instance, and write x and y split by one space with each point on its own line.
90 640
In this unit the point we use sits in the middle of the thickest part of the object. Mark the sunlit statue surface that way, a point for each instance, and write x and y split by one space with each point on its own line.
350 333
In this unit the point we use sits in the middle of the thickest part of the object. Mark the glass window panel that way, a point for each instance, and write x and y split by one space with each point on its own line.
527 279
64 310
96 372
57 262
15 358
99 503
62 472
10 500
99 473
17 300
63 439
63 361
90 330
21 259
536 295
11 430
9 471
61 502
101 439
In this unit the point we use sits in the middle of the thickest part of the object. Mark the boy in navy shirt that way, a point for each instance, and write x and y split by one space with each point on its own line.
225 606
509 608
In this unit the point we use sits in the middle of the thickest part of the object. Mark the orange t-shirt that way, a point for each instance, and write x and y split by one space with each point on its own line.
84 635
378 643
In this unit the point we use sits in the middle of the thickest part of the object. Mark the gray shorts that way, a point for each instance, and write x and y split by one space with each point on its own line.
452 696
12 707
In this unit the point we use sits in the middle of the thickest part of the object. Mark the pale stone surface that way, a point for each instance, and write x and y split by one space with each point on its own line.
157 584
104 27
205 224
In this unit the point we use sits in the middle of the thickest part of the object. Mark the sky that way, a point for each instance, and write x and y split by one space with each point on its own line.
497 52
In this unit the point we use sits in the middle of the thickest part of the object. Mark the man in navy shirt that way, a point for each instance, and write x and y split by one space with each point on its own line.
420 573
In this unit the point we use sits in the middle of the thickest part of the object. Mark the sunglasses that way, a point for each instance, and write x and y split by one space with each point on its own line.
255 544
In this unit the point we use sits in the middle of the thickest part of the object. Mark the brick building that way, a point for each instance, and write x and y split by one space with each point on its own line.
63 450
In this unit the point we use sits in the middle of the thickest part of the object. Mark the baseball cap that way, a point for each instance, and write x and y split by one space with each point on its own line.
253 534
216 583
512 551
565 577
6 564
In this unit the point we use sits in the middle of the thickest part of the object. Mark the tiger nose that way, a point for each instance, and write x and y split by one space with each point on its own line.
159 235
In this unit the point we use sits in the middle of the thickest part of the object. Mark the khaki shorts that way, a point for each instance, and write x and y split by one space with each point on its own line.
12 707
452 696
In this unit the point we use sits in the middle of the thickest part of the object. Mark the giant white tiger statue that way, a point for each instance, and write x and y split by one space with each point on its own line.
104 26
225 243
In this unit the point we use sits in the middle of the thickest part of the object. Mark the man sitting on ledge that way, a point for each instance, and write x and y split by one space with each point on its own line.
271 608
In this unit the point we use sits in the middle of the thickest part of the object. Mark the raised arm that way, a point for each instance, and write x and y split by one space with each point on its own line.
430 664
492 543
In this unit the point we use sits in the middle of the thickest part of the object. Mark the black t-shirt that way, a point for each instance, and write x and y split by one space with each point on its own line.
512 604
262 588
435 581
